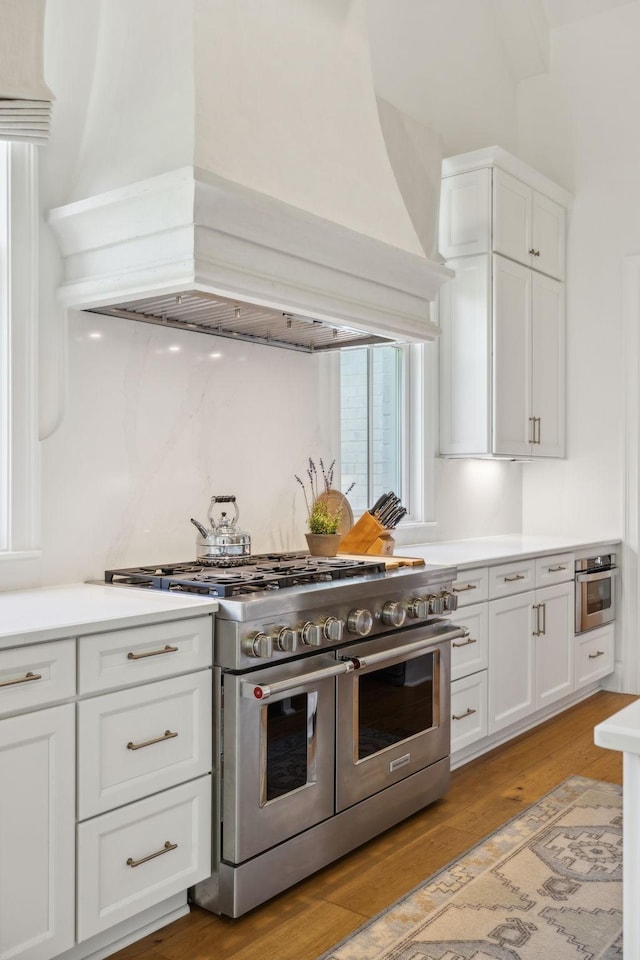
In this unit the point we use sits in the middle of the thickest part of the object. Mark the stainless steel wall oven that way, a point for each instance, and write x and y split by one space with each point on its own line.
595 591
331 715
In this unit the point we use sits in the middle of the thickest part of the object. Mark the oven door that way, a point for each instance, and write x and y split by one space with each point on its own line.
279 730
393 712
595 599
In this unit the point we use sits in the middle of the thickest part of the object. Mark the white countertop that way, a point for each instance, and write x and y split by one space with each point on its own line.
621 731
488 551
49 613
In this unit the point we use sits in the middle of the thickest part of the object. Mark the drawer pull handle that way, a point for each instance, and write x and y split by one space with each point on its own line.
466 643
518 576
152 653
467 586
468 712
27 677
166 849
167 735
598 653
556 569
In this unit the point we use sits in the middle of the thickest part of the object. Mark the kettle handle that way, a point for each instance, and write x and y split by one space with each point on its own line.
226 498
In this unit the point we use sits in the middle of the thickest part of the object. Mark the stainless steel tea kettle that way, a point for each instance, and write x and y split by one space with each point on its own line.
222 539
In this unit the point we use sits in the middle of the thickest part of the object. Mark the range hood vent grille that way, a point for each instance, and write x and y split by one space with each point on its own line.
200 312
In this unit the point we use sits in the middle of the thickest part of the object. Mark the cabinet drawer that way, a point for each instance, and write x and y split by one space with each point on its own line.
470 654
468 710
123 657
37 674
472 586
510 578
133 858
555 569
135 742
594 655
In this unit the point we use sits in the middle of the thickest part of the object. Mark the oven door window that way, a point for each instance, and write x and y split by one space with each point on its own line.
597 596
288 735
396 703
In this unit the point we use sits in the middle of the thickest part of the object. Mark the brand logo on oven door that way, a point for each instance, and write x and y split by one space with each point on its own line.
400 762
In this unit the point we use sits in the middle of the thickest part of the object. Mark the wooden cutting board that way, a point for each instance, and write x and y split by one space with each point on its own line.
391 563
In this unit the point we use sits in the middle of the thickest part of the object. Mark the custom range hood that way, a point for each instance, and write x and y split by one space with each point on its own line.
300 212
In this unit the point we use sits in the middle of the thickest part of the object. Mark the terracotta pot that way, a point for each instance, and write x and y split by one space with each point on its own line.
323 544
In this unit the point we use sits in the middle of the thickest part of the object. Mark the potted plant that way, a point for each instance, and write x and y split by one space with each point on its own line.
323 519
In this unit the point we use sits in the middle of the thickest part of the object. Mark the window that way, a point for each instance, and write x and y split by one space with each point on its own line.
19 462
384 429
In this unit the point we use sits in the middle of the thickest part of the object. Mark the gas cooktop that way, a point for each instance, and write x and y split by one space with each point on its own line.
269 571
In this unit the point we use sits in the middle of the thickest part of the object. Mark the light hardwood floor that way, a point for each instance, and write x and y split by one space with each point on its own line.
305 921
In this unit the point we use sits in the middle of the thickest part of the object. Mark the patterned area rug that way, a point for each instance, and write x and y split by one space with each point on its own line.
546 886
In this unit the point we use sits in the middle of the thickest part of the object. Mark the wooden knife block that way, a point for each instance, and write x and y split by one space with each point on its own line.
367 535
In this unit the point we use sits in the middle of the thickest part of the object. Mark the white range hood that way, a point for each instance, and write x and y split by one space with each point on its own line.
287 226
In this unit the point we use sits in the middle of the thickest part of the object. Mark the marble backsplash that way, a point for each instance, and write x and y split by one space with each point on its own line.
158 420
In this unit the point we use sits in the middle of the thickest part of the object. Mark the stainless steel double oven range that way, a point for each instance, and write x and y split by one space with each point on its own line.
331 710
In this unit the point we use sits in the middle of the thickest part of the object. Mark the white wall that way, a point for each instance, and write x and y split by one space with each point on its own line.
592 142
443 62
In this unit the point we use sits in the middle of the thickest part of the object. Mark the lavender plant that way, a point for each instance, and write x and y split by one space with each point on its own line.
320 518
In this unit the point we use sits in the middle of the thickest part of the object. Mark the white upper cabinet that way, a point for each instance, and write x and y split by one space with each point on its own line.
502 344
528 343
527 226
465 223
492 203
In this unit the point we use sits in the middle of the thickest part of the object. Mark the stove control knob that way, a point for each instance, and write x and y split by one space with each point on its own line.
311 634
450 601
418 608
285 639
393 614
436 604
257 645
332 629
360 622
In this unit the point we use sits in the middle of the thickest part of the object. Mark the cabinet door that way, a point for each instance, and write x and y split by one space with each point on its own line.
37 811
554 643
512 212
465 214
465 358
548 236
548 366
511 660
512 358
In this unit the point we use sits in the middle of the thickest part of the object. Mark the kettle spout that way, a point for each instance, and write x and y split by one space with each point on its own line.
202 530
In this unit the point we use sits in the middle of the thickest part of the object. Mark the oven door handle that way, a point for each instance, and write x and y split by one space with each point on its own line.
408 648
600 575
262 691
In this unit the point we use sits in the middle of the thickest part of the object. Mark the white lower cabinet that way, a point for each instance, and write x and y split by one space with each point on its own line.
37 833
138 855
141 777
468 710
469 657
594 655
530 652
135 742
554 645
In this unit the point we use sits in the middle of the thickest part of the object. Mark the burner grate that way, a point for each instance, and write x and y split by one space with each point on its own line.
265 572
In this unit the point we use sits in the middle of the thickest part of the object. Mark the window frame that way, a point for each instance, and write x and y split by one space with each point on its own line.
19 445
418 441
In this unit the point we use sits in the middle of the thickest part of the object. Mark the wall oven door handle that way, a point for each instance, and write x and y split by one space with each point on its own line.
599 575
262 691
409 648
